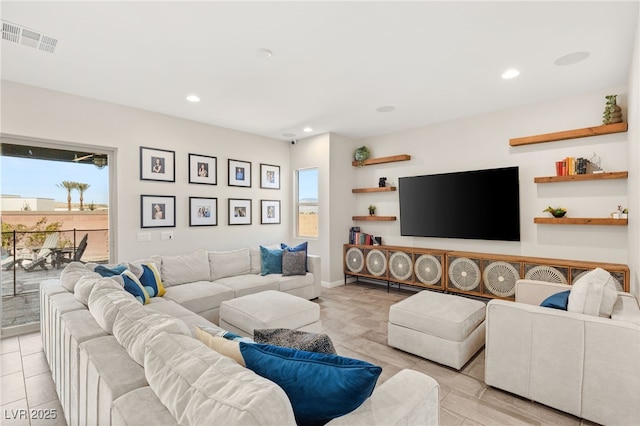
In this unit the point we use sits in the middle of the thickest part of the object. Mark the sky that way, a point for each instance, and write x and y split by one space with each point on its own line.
31 178
308 184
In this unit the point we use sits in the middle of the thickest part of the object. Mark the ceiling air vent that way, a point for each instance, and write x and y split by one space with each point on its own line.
28 37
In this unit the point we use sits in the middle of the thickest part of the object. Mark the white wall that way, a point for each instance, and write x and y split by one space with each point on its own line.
17 203
483 142
634 164
57 118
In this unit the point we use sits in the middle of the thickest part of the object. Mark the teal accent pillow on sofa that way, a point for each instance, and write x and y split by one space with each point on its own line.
270 261
557 301
320 386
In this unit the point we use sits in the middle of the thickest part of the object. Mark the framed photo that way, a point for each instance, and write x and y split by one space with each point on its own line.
157 211
269 176
239 173
269 211
157 164
239 211
203 169
203 211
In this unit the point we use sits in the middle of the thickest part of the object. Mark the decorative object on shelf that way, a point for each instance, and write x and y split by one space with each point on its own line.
556 211
612 112
382 182
372 210
620 213
361 154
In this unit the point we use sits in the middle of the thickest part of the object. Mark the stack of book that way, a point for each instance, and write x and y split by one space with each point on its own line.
358 237
574 166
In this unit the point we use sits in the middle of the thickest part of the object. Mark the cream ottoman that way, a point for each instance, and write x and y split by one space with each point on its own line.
269 309
440 327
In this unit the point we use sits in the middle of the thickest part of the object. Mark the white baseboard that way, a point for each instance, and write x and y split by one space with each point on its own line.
18 330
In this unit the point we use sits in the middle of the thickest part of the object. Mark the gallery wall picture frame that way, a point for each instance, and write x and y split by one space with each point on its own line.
269 176
203 211
239 173
239 211
157 164
269 212
203 169
157 211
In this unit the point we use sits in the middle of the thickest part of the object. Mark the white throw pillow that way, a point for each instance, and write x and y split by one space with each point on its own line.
105 300
229 263
187 268
593 294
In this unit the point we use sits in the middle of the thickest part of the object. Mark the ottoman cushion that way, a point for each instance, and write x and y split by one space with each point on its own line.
268 309
442 315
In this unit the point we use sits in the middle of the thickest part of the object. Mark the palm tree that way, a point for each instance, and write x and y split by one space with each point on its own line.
69 186
81 187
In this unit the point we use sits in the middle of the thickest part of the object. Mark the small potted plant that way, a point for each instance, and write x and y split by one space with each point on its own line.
556 211
372 210
361 154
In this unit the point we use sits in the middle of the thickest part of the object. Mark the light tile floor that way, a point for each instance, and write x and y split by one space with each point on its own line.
355 317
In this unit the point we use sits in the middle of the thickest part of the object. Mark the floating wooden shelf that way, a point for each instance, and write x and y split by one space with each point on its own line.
380 160
591 176
570 134
375 218
580 221
383 189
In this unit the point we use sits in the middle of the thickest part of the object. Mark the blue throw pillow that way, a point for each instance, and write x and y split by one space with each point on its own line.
270 261
299 247
130 282
150 280
109 272
320 387
557 301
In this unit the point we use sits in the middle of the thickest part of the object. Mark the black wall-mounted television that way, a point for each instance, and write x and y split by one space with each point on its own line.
478 204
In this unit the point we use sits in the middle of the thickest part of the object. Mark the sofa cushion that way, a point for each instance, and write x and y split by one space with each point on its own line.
106 299
593 294
83 287
294 263
185 268
319 386
135 326
229 263
201 387
199 296
295 281
271 261
557 301
250 283
72 273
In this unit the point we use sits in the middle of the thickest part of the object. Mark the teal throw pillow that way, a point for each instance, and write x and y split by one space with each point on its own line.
109 272
320 387
299 247
270 261
557 301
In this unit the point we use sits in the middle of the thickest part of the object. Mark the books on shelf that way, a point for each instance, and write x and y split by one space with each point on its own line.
356 236
574 166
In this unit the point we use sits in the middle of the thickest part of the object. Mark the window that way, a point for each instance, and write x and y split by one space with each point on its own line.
307 203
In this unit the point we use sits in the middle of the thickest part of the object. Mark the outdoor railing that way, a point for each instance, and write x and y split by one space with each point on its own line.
22 249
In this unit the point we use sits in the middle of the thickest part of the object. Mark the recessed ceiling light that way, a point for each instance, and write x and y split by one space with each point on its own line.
264 53
571 58
193 98
289 135
307 129
510 73
386 108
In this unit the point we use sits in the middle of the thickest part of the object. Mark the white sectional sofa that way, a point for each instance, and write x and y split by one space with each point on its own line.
585 365
115 361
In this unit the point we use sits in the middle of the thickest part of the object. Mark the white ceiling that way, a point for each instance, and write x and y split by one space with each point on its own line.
333 63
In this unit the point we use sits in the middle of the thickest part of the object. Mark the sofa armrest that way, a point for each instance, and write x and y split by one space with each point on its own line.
534 292
314 267
407 398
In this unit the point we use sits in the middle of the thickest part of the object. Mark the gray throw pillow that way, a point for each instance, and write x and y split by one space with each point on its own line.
294 263
295 339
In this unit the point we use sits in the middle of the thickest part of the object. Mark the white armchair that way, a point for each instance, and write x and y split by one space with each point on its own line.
585 365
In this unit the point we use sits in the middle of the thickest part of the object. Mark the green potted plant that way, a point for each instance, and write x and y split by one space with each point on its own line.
372 210
361 154
556 211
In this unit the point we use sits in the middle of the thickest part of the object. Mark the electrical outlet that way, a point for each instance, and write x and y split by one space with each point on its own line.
144 236
167 235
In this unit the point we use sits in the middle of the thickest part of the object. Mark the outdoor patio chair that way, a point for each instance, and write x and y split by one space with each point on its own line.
40 259
68 255
6 260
